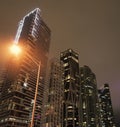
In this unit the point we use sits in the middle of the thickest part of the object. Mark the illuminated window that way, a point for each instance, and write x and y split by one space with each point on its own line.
65 58
25 84
70 107
66 64
92 119
76 60
84 106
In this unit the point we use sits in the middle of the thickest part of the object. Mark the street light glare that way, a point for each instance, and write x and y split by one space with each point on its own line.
15 49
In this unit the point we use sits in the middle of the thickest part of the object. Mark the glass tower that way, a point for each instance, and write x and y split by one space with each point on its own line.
106 110
89 95
53 111
17 96
71 99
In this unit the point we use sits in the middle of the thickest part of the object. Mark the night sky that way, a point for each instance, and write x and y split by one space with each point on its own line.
89 27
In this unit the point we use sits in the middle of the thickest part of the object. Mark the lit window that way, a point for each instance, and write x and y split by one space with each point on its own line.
65 58
70 107
32 101
92 119
76 60
66 64
25 84
84 106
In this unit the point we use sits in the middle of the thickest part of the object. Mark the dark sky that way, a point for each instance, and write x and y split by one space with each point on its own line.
90 27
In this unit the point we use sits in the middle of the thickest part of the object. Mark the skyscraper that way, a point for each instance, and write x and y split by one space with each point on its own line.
17 97
89 95
71 80
106 110
54 103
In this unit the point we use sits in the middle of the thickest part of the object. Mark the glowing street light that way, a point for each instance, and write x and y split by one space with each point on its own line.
15 49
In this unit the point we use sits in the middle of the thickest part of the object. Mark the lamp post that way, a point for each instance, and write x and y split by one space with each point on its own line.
15 49
38 63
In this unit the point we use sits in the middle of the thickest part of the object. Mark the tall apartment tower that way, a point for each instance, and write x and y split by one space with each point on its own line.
71 80
106 110
17 97
89 95
53 108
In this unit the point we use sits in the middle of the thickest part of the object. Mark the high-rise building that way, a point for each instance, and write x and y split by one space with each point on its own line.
71 89
106 110
17 97
53 107
89 95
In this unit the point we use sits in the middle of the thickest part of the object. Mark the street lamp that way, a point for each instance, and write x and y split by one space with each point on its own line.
15 49
38 63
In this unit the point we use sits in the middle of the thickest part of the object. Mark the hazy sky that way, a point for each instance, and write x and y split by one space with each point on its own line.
90 27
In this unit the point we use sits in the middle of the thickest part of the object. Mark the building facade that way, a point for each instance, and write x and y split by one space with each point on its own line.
17 96
106 110
71 80
89 95
53 113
